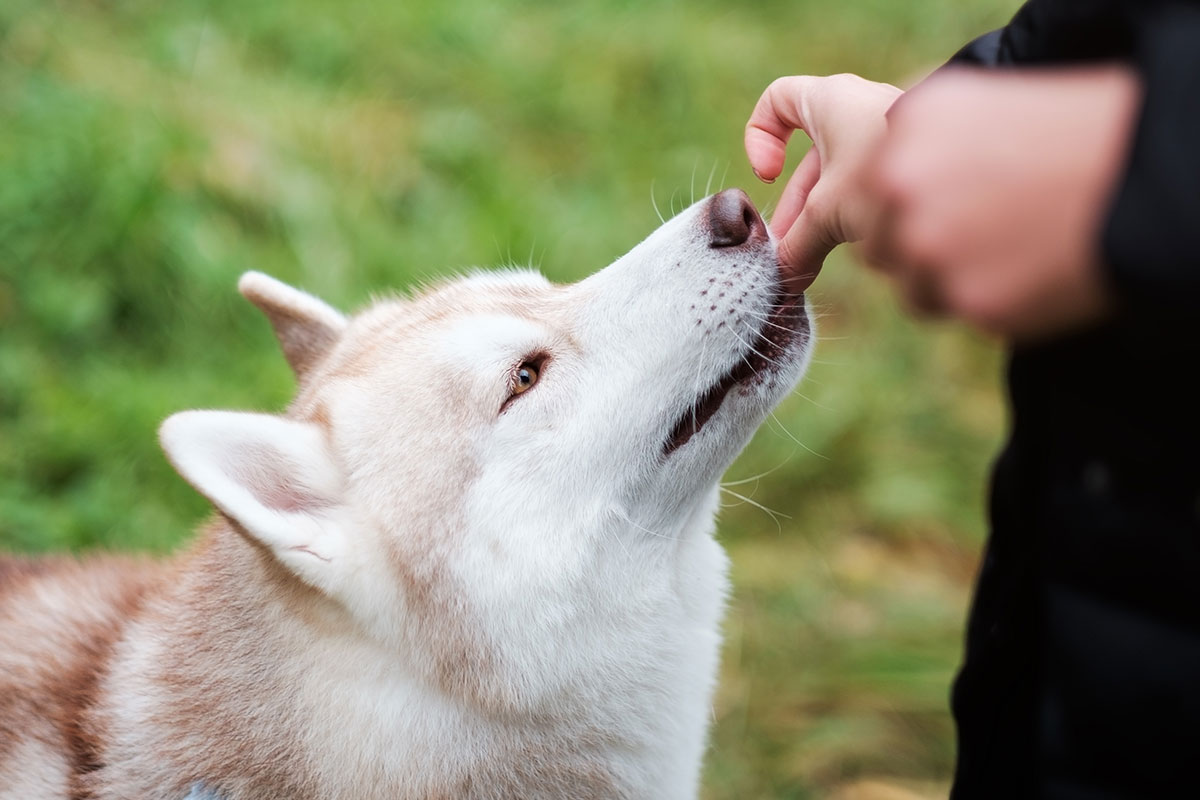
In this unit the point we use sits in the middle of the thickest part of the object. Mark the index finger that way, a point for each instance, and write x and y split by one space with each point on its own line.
778 112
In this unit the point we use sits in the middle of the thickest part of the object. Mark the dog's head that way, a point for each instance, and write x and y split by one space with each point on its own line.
500 435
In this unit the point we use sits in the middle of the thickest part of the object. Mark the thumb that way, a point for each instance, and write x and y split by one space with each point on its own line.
802 252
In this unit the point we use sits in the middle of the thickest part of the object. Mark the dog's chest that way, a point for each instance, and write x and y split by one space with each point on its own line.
634 729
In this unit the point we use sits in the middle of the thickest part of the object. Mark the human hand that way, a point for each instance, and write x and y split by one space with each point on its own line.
994 188
825 201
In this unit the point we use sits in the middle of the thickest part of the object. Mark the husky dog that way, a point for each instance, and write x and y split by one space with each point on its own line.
473 559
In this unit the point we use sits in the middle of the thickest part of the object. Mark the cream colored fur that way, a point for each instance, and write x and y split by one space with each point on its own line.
419 584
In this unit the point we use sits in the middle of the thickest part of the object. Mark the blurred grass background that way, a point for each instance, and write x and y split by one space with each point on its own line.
150 152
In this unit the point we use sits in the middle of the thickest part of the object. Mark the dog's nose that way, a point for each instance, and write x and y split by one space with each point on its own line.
733 219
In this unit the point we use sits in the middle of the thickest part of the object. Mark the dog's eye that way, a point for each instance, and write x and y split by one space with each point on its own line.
524 378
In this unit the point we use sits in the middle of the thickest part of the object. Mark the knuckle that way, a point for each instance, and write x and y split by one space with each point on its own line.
820 203
892 177
917 244
784 85
975 304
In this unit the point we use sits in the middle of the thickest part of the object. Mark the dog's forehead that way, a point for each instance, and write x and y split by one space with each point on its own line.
519 293
392 328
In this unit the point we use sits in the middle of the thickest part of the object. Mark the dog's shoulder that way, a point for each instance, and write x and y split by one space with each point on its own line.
54 611
65 597
59 620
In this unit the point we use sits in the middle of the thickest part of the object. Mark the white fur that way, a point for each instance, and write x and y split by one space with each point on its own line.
273 476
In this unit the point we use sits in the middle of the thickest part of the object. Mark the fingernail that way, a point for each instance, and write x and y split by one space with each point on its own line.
761 178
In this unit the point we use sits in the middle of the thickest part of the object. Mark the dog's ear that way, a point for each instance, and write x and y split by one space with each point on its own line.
274 477
307 328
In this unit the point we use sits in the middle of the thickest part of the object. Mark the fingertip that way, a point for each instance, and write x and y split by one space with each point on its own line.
766 153
760 176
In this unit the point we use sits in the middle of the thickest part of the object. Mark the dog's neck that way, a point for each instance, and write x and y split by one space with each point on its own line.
302 666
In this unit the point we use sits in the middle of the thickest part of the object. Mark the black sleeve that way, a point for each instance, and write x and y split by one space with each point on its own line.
982 52
1152 238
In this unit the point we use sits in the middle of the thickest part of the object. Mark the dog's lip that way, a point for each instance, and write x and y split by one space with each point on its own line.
786 321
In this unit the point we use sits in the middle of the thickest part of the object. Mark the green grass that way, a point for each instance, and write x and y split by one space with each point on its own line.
150 152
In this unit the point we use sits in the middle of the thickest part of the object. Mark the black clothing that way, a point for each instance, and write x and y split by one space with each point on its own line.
1081 677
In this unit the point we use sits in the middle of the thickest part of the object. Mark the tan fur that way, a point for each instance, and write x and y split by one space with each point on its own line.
218 672
59 620
63 690
464 659
305 332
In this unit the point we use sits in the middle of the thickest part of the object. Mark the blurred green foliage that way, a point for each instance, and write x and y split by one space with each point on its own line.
150 152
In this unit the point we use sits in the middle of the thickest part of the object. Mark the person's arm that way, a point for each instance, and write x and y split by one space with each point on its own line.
1151 242
982 193
994 187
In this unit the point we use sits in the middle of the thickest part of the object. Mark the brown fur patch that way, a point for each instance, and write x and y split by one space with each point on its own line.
59 620
550 769
319 416
14 572
78 692
305 336
220 729
465 661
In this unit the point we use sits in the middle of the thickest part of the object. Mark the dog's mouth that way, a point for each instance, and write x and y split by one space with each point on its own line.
761 357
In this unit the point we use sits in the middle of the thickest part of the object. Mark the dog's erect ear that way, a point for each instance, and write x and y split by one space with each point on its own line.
275 477
307 328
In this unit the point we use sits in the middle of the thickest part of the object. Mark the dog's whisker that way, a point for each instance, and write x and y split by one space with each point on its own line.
757 336
766 320
783 428
708 183
616 536
654 203
743 356
803 396
625 517
751 348
748 364
761 475
774 515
